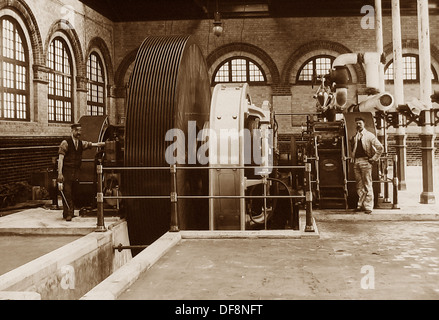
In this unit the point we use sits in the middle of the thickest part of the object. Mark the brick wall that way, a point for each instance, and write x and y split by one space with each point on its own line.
21 157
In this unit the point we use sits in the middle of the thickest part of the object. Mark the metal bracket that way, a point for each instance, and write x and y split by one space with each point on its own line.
173 196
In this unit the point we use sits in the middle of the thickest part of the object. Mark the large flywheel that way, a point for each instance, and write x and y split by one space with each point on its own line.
169 88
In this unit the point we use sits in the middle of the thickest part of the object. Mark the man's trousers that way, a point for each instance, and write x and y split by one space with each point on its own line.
363 179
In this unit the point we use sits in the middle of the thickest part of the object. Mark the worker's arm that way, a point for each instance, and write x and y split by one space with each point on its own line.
98 144
61 153
60 167
88 144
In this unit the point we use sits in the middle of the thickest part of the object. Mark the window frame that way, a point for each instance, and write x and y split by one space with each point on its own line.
411 81
90 82
25 64
313 59
247 73
64 75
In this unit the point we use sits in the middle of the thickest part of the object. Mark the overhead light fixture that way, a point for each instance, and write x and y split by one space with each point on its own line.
217 24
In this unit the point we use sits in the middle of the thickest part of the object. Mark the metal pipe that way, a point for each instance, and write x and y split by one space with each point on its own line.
206 197
386 183
198 168
100 200
121 247
265 181
28 148
395 183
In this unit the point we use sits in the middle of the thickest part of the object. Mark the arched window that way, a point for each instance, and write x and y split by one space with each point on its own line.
14 72
95 86
239 69
410 69
316 66
60 82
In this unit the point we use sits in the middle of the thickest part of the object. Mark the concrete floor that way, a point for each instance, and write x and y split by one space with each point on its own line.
391 254
400 260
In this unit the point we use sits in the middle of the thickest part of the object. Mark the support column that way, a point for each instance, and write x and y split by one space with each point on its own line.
398 73
379 40
427 136
40 112
382 134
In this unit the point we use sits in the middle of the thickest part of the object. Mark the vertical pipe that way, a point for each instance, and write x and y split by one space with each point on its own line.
100 199
427 135
398 74
309 227
174 212
382 134
398 66
379 40
265 181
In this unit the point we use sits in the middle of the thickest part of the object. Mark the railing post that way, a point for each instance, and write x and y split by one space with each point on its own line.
386 183
264 182
174 212
100 200
395 183
309 227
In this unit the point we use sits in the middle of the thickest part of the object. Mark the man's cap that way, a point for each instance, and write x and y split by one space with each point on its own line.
359 119
75 126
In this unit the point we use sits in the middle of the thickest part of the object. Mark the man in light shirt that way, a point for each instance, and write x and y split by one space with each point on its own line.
366 150
69 164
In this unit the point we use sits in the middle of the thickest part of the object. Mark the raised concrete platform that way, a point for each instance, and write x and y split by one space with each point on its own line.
67 272
44 221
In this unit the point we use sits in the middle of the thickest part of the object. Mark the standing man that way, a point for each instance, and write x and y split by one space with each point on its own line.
69 163
366 150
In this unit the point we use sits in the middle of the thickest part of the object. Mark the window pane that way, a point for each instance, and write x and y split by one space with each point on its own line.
322 66
223 74
239 70
13 74
255 73
95 86
307 72
410 69
60 82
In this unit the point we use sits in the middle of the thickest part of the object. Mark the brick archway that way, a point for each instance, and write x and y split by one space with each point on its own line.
21 8
68 30
100 44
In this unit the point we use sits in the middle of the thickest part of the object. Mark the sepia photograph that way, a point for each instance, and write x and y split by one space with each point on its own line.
219 158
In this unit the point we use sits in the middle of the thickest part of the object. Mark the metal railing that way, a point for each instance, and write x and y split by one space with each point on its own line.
173 196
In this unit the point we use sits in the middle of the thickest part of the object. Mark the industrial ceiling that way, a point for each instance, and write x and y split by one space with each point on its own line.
150 10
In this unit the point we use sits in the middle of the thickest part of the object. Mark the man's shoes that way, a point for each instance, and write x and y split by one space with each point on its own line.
368 211
69 218
359 209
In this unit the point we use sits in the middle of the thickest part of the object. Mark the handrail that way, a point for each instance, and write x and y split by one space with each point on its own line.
174 196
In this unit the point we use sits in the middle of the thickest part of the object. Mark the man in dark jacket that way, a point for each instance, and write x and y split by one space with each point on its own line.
69 163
